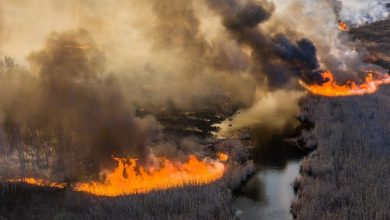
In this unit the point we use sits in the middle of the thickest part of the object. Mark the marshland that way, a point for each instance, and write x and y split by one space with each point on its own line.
210 109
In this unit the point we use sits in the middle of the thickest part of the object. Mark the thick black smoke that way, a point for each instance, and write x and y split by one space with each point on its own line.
276 56
67 115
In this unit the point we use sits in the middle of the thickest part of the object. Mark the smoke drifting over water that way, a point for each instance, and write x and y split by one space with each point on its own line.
85 66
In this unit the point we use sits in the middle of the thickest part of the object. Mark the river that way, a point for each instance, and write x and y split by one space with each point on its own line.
268 194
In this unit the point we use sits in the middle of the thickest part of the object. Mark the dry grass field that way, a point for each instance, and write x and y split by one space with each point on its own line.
376 39
212 201
347 176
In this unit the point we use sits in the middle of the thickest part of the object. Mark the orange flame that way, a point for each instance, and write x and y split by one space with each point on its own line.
223 157
38 182
343 26
127 178
332 88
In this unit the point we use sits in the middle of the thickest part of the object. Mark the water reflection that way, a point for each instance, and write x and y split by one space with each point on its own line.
268 194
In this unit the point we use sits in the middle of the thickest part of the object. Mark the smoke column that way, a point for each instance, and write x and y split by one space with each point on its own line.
80 69
68 116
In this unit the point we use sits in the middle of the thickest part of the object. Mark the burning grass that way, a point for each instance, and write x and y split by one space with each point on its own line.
331 88
191 202
347 176
130 178
68 184
343 26
21 200
37 182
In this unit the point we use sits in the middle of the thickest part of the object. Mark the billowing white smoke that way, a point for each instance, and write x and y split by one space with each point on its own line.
358 12
355 12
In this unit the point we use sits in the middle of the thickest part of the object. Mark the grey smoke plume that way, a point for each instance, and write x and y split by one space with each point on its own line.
359 12
318 20
71 112
276 56
337 7
73 100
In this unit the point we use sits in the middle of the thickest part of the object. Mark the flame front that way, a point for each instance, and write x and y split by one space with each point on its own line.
223 157
343 26
332 88
38 182
127 178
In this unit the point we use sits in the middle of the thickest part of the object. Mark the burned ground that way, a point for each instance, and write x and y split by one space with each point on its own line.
347 176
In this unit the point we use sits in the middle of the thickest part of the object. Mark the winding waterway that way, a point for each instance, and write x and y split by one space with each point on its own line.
268 194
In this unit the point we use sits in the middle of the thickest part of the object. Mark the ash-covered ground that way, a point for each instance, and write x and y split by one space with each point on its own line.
347 176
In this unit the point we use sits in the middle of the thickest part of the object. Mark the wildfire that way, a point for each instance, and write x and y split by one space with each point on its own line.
128 178
223 157
38 182
332 88
343 26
